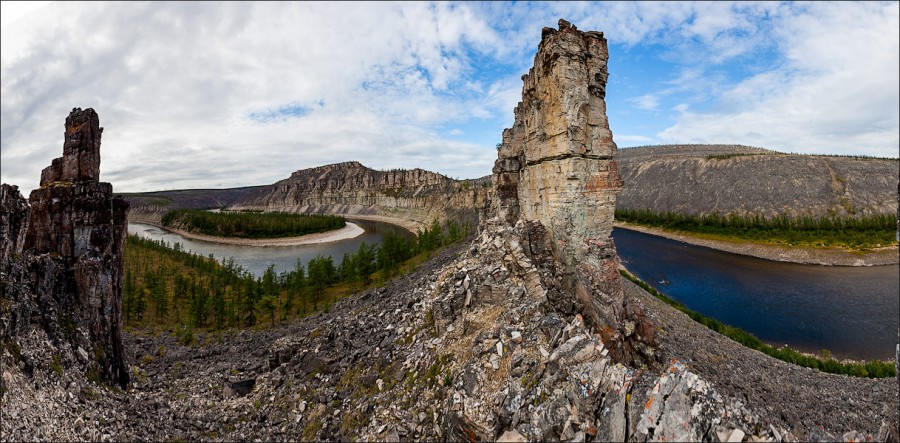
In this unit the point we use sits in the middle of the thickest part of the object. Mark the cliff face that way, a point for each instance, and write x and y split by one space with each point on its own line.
555 167
63 253
417 196
709 179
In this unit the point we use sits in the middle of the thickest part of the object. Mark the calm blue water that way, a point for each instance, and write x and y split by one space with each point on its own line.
257 258
852 311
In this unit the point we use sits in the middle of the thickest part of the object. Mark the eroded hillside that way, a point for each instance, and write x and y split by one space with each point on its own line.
412 198
719 179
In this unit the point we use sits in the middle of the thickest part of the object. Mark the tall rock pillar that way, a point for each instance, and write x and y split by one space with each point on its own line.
555 166
75 219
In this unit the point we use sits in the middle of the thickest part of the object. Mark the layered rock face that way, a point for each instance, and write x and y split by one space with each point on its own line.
555 166
349 188
71 256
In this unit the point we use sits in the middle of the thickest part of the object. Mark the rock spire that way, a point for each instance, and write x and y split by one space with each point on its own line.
555 166
77 229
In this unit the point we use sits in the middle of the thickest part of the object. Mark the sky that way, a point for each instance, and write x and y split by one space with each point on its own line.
217 95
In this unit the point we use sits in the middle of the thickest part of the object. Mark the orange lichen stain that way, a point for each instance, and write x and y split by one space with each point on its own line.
74 128
470 435
649 402
598 182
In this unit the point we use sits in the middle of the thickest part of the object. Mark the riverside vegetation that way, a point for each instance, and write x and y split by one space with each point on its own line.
824 362
251 224
859 233
169 288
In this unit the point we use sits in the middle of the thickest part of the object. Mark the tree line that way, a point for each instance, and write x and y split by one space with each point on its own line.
856 232
251 224
166 285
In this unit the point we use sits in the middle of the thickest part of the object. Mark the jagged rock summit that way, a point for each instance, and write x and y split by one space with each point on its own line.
69 277
555 167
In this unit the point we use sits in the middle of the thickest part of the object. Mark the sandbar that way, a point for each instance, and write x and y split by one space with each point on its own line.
351 230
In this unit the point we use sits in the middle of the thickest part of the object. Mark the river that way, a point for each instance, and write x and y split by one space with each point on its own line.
257 258
853 312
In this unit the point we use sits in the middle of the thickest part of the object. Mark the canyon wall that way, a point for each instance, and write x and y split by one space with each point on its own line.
415 197
63 255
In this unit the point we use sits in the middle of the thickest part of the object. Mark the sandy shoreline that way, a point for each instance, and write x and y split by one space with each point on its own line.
351 230
409 225
827 257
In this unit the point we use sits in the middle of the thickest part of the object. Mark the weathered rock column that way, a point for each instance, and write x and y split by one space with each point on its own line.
75 219
13 220
555 166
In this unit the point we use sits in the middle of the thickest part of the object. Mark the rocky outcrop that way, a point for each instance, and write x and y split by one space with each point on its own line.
555 167
349 188
727 179
13 221
64 267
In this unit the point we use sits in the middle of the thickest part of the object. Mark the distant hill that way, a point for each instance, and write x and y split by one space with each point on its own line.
188 198
414 196
726 179
689 179
149 207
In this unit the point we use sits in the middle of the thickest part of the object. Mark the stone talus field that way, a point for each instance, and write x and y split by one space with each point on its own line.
523 333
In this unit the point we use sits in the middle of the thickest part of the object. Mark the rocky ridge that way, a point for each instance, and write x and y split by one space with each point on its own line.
710 179
414 196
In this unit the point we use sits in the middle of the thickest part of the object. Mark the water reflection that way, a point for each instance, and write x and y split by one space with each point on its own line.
257 258
852 311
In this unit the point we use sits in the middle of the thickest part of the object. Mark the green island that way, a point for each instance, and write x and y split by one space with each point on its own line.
169 289
857 233
250 224
824 362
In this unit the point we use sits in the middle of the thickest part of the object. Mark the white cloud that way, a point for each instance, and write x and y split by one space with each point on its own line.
646 102
196 94
838 92
633 139
179 85
13 11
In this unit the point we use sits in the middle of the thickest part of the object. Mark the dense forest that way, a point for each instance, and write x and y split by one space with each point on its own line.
855 232
169 288
250 224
